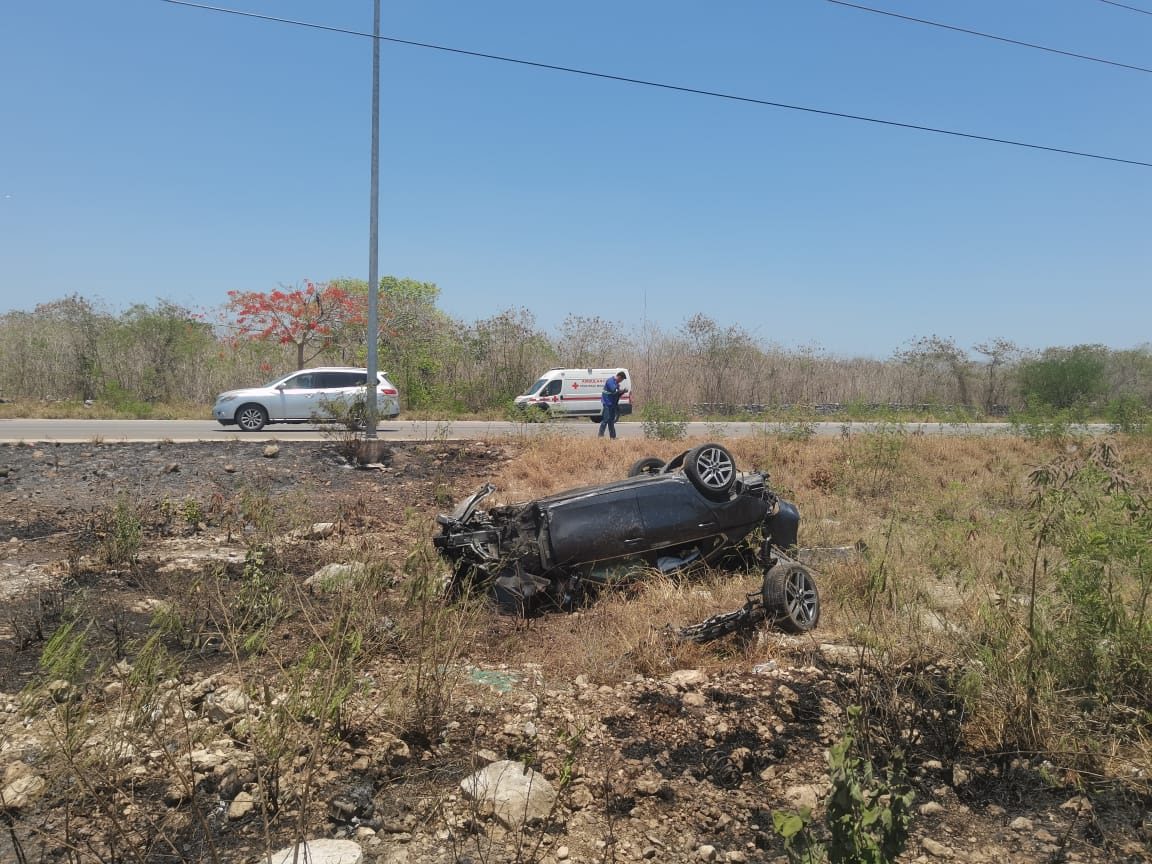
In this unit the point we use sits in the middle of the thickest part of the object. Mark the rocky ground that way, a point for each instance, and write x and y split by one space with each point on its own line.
662 764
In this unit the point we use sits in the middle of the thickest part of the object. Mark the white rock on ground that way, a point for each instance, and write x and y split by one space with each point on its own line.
332 576
320 851
518 795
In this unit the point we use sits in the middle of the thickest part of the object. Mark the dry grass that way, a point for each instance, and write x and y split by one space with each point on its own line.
946 574
68 410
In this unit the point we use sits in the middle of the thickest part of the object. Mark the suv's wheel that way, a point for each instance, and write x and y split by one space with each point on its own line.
712 470
647 465
358 418
791 598
251 418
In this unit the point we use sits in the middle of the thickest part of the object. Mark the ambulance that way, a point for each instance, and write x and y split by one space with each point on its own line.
574 393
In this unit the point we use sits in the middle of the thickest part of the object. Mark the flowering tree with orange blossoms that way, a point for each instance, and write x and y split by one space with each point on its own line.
313 318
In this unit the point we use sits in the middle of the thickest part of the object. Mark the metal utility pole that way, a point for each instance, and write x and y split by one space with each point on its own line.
374 232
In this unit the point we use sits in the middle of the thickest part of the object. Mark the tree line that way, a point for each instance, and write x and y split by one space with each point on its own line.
77 349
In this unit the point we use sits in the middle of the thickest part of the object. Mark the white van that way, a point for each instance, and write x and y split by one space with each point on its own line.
574 393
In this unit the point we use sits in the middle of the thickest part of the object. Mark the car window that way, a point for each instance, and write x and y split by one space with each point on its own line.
553 388
300 382
337 380
535 387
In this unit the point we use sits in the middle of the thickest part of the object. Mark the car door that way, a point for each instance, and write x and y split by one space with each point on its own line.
341 391
673 512
298 396
595 526
554 396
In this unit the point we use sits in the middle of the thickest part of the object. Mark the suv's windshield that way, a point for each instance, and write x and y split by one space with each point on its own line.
531 390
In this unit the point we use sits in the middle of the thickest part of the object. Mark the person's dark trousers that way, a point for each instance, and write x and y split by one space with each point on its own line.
608 420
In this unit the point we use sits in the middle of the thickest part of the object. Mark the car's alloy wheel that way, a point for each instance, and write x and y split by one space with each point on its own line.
712 470
791 598
251 418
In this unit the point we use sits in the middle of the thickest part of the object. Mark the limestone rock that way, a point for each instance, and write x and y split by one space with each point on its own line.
331 577
321 851
517 795
21 791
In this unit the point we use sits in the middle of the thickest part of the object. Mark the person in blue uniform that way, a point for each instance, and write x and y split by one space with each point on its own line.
610 403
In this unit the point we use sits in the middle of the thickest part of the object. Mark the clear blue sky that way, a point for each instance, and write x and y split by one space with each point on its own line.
151 151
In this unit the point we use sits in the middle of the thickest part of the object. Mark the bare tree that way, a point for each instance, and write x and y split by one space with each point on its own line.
939 360
589 341
1000 354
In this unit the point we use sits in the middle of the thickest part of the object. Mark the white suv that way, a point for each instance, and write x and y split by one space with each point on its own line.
305 396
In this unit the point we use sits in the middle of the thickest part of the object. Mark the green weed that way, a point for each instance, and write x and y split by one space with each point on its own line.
867 816
122 535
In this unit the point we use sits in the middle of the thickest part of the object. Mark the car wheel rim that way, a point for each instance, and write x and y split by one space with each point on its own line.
714 467
800 597
250 419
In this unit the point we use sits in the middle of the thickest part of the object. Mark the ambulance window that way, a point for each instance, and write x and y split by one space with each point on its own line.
535 387
553 388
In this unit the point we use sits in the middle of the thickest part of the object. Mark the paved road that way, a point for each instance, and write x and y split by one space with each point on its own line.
431 430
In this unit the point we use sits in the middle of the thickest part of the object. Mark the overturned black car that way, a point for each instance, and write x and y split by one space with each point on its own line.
666 517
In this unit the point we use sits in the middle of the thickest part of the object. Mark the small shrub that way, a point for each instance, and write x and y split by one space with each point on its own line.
431 635
258 516
867 816
343 425
193 513
1127 414
798 424
122 535
258 605
123 402
1040 422
529 414
872 462
663 422
1095 627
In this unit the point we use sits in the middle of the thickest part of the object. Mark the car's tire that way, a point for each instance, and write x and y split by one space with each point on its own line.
647 465
596 418
251 418
358 418
712 470
791 598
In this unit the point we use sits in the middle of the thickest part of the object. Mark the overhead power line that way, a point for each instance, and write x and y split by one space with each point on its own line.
1016 42
676 88
1126 6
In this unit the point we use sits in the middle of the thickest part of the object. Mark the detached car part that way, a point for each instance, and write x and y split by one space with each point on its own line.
697 508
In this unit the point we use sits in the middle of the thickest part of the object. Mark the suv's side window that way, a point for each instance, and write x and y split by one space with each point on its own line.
337 380
300 382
